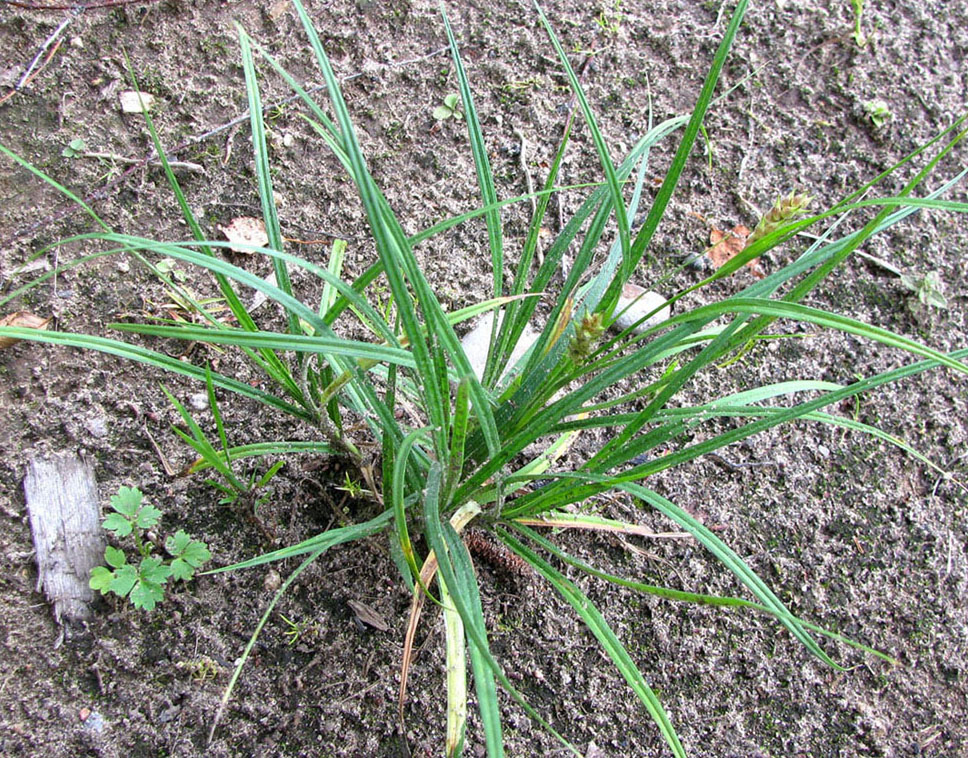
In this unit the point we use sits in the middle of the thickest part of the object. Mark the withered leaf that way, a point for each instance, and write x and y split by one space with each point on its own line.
277 9
368 615
21 319
727 245
245 230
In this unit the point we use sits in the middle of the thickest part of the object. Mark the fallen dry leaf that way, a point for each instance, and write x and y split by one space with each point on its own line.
21 319
277 9
727 245
367 615
245 230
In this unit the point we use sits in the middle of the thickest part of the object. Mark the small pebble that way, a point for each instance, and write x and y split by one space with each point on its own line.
636 303
97 427
475 343
199 401
272 581
698 262
94 722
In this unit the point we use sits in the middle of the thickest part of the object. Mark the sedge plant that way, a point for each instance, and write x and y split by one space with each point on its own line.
439 447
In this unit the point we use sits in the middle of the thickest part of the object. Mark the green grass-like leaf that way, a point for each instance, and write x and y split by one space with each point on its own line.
606 637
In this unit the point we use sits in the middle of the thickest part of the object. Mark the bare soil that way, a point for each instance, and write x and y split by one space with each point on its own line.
851 532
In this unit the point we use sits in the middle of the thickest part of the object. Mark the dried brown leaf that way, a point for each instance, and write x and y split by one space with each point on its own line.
277 9
24 320
245 230
727 245
368 615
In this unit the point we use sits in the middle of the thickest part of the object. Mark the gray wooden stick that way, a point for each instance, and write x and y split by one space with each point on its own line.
65 522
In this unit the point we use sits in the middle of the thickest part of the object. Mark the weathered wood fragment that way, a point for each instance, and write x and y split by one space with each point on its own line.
65 522
368 615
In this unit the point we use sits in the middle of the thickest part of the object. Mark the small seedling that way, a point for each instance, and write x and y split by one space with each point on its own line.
449 109
878 112
74 148
201 669
297 630
144 584
928 288
168 267
353 487
610 17
858 35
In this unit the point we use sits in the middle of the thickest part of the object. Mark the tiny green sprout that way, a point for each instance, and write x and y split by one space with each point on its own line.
168 267
201 669
296 630
248 493
610 17
275 113
858 35
74 148
878 112
928 288
144 584
352 487
449 109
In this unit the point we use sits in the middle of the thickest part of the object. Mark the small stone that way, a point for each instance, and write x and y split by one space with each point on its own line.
97 427
635 303
698 262
199 401
94 722
272 581
136 102
475 343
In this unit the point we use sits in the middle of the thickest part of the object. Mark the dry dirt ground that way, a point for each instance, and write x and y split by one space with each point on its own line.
852 533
